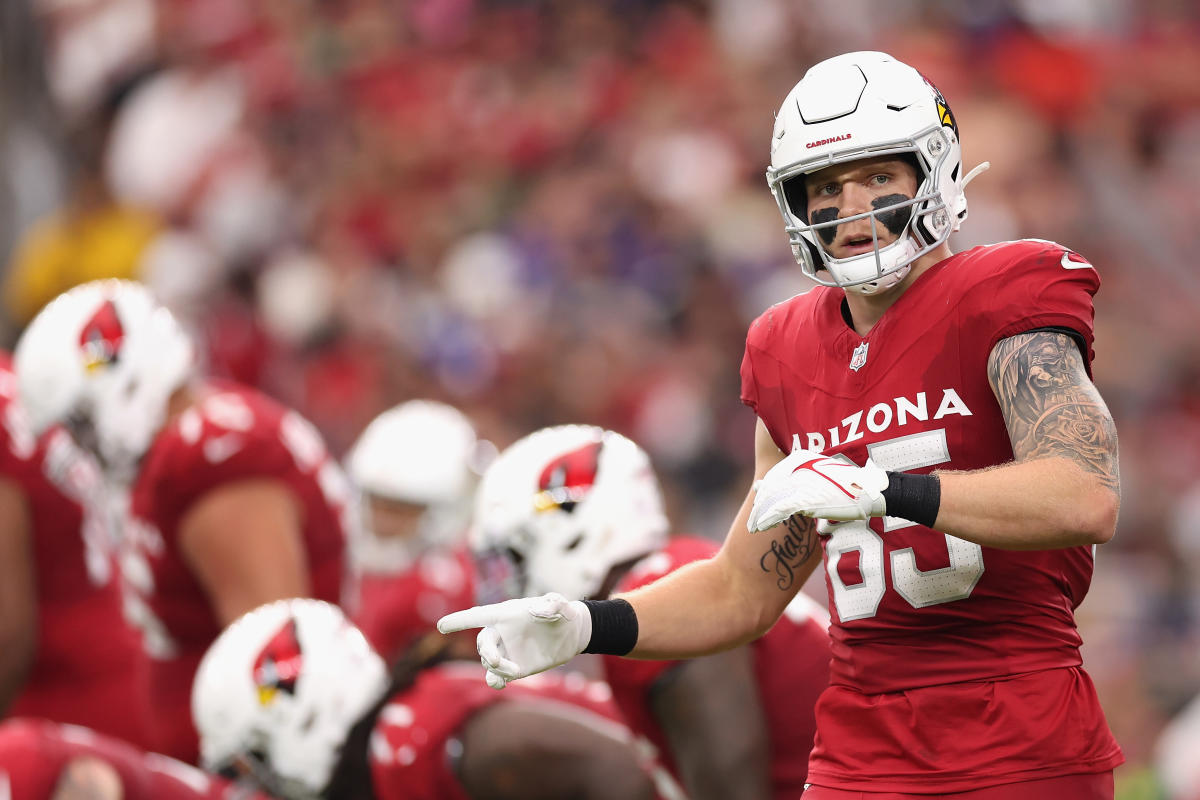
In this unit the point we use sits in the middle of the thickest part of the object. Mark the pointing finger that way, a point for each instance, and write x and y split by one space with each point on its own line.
475 617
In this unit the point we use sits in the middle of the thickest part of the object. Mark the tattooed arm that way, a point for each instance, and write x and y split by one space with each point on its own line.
1063 488
735 596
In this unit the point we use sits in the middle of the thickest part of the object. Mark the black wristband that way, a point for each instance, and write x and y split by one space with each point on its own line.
614 627
913 497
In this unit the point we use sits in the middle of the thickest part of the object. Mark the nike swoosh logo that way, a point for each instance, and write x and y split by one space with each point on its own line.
221 448
811 466
1067 263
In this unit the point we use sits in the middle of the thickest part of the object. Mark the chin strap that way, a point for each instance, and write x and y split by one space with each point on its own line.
976 172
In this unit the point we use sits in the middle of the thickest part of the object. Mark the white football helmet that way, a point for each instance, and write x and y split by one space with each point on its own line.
867 105
278 692
424 453
558 509
103 359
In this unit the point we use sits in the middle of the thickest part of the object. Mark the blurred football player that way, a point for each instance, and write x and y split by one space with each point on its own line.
233 499
66 651
416 467
292 696
576 509
956 660
42 760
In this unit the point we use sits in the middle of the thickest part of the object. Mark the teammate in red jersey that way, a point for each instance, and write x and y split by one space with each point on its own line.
293 696
42 760
66 652
956 666
576 510
233 500
416 467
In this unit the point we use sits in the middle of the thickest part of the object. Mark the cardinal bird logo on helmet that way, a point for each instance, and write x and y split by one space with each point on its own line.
278 665
945 116
566 480
101 337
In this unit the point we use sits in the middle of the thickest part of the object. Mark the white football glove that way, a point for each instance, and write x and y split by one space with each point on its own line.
524 636
814 485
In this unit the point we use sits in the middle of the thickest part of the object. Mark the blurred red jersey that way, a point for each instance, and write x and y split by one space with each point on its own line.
88 668
396 608
791 663
954 666
415 743
232 434
33 754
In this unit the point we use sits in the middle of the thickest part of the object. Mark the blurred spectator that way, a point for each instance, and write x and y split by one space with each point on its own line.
92 236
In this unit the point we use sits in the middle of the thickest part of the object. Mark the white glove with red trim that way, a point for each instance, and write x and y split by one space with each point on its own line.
814 485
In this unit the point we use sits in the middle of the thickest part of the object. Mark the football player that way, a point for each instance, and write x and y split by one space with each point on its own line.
66 651
416 467
293 697
935 412
576 509
42 760
233 499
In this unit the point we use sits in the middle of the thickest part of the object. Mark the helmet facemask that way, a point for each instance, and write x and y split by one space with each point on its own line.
926 227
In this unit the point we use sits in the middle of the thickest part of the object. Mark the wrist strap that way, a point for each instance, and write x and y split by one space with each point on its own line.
913 497
614 627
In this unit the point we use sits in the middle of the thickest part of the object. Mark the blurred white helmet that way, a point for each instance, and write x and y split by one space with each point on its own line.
423 453
560 508
278 692
103 359
868 105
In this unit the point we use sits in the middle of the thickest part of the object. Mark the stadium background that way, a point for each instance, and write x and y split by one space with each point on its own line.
549 212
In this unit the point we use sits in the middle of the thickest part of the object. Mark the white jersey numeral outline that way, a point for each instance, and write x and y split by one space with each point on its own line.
920 588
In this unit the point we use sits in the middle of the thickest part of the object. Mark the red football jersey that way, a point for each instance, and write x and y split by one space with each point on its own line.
88 667
34 752
397 608
791 663
414 744
232 434
987 636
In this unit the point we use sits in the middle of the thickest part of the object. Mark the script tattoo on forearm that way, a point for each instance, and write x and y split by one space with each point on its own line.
1051 406
791 551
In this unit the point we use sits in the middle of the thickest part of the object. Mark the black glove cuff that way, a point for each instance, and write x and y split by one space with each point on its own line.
614 627
913 497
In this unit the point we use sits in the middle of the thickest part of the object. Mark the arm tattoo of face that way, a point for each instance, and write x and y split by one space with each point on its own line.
791 550
1050 406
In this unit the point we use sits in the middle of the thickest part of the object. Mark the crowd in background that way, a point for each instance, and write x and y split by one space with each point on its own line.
547 212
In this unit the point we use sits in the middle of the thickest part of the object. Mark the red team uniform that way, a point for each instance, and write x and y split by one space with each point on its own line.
953 664
88 668
414 744
232 434
397 608
791 664
34 752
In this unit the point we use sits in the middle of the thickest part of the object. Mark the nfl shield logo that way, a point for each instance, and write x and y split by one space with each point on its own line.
859 358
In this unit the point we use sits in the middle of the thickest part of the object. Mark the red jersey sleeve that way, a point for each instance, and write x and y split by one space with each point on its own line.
201 453
768 382
1034 284
33 754
414 740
